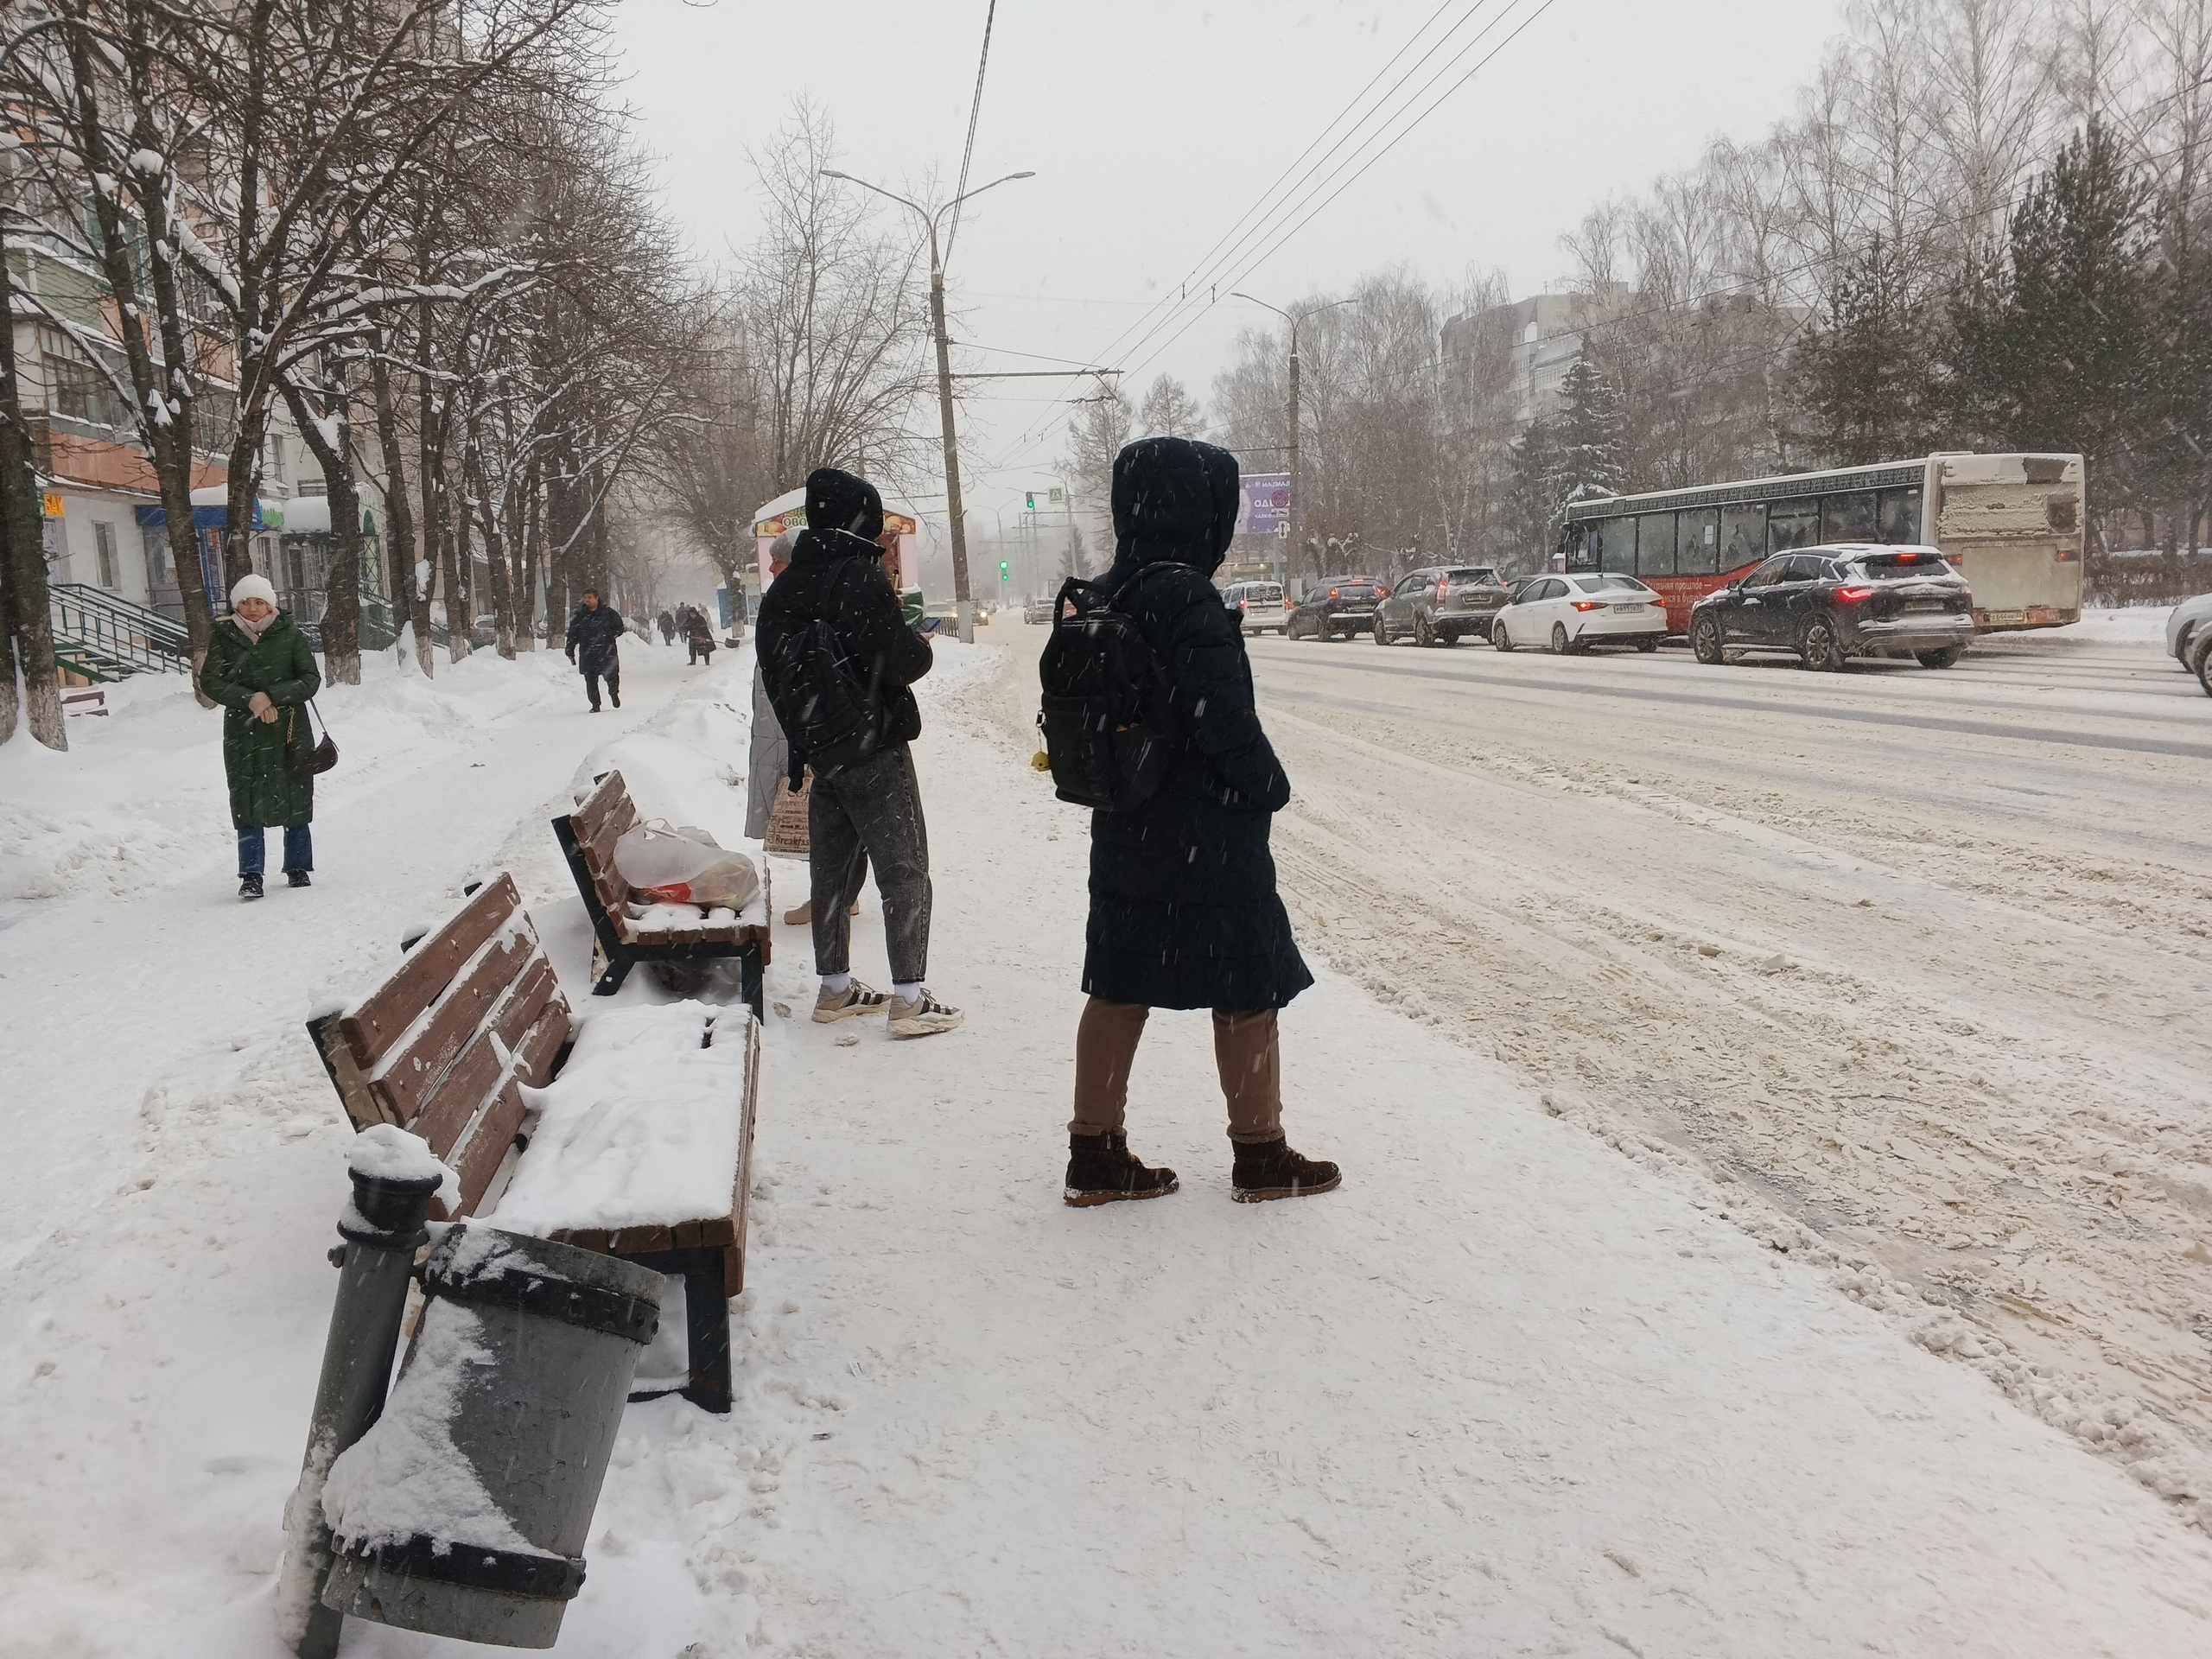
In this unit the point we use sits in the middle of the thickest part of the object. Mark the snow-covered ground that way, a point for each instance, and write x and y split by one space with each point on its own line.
1508 1391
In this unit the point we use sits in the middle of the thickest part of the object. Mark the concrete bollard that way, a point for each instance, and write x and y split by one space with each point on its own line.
394 1176
464 1511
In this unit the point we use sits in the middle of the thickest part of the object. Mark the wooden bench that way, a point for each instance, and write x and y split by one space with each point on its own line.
443 1046
620 940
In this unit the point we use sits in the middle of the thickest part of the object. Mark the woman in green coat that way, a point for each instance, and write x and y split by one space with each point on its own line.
260 670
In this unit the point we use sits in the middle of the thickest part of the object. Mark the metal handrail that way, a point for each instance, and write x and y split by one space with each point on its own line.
117 633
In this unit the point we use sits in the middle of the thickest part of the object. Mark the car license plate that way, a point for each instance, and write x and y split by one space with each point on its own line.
1637 606
1923 605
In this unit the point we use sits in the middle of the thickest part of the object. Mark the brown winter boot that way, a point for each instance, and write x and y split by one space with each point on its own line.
1102 1171
1272 1170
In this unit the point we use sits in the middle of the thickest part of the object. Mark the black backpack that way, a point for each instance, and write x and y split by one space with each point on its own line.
826 712
1110 732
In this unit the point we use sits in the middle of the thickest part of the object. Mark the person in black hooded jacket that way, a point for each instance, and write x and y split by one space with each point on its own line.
1183 912
869 811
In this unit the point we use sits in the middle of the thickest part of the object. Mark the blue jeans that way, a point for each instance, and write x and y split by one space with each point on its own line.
298 849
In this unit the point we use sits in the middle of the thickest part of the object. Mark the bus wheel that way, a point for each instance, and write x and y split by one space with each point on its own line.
1942 657
1705 641
1560 643
1818 646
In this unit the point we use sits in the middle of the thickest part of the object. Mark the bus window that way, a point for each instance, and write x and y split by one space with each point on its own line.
1793 523
1579 544
1617 548
1849 518
1743 535
1899 517
1655 544
1697 547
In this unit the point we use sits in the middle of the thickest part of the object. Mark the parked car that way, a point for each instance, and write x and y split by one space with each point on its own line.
2186 623
1574 613
1440 606
1258 604
1340 606
1830 604
1039 609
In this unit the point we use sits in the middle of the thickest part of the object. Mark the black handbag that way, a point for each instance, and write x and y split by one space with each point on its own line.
304 759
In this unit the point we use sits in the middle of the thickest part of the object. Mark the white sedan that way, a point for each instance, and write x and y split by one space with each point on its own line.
1574 613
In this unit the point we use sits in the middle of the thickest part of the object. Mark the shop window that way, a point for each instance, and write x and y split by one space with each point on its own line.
104 552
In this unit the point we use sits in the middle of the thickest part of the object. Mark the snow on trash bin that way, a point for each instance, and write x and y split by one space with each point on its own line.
464 1510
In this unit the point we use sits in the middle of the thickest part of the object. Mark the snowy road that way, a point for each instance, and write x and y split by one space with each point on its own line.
1922 958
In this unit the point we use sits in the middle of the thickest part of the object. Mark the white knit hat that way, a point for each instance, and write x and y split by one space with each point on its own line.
253 587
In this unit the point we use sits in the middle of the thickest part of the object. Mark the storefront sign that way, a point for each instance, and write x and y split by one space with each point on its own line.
50 505
1263 506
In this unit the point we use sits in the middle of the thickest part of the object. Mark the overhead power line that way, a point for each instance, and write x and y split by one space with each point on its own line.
975 113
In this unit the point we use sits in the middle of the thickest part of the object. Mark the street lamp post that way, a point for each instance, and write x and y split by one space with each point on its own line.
1297 496
966 602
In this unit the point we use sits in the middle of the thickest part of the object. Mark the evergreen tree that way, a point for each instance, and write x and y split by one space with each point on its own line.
1867 374
1590 435
2056 344
1532 506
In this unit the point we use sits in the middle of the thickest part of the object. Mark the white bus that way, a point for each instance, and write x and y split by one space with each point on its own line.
2011 525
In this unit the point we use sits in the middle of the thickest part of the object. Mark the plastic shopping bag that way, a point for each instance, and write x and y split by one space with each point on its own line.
683 865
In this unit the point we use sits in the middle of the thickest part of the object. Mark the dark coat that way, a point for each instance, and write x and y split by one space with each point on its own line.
698 630
592 635
835 576
1183 912
262 791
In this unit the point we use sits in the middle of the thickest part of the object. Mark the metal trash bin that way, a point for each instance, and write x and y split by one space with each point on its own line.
464 1511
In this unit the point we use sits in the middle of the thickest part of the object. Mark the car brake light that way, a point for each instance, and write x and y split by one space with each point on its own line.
1589 605
1853 595
1332 592
1443 588
1240 605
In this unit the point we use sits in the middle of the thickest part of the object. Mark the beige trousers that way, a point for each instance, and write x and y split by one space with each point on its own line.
1245 1053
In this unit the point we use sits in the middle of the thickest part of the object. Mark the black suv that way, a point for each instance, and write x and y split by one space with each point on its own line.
1340 606
1438 605
1830 603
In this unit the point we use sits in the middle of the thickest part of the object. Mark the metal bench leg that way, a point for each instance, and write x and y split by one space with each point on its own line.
610 980
749 978
706 1315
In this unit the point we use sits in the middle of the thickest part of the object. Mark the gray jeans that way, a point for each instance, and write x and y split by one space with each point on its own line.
870 814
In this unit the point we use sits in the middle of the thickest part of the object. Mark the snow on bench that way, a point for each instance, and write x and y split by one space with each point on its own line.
624 933
629 1133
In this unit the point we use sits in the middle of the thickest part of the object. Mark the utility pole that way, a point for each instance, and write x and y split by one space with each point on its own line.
1297 495
965 601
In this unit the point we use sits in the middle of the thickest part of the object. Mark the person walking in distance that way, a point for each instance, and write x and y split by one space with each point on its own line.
260 670
1184 911
701 633
838 660
667 628
592 634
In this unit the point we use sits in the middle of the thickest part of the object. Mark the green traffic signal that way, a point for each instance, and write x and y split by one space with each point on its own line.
1003 567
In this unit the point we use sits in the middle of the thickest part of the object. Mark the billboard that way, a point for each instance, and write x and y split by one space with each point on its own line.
1264 503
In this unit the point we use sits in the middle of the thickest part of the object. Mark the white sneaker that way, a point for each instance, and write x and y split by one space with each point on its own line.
831 1006
923 1017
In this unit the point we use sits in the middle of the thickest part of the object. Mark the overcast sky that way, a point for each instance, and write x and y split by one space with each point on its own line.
1153 125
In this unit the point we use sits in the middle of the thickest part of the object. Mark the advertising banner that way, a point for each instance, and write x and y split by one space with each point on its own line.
1263 507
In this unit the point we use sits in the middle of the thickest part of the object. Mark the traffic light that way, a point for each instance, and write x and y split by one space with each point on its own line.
1005 566
1031 497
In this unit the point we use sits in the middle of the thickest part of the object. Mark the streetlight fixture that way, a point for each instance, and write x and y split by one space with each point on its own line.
1297 502
965 599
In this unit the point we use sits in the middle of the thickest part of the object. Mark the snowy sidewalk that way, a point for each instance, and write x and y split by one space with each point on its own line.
1505 1392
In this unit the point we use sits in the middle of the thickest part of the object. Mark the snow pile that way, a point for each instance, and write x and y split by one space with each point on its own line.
385 1151
406 1478
642 1128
